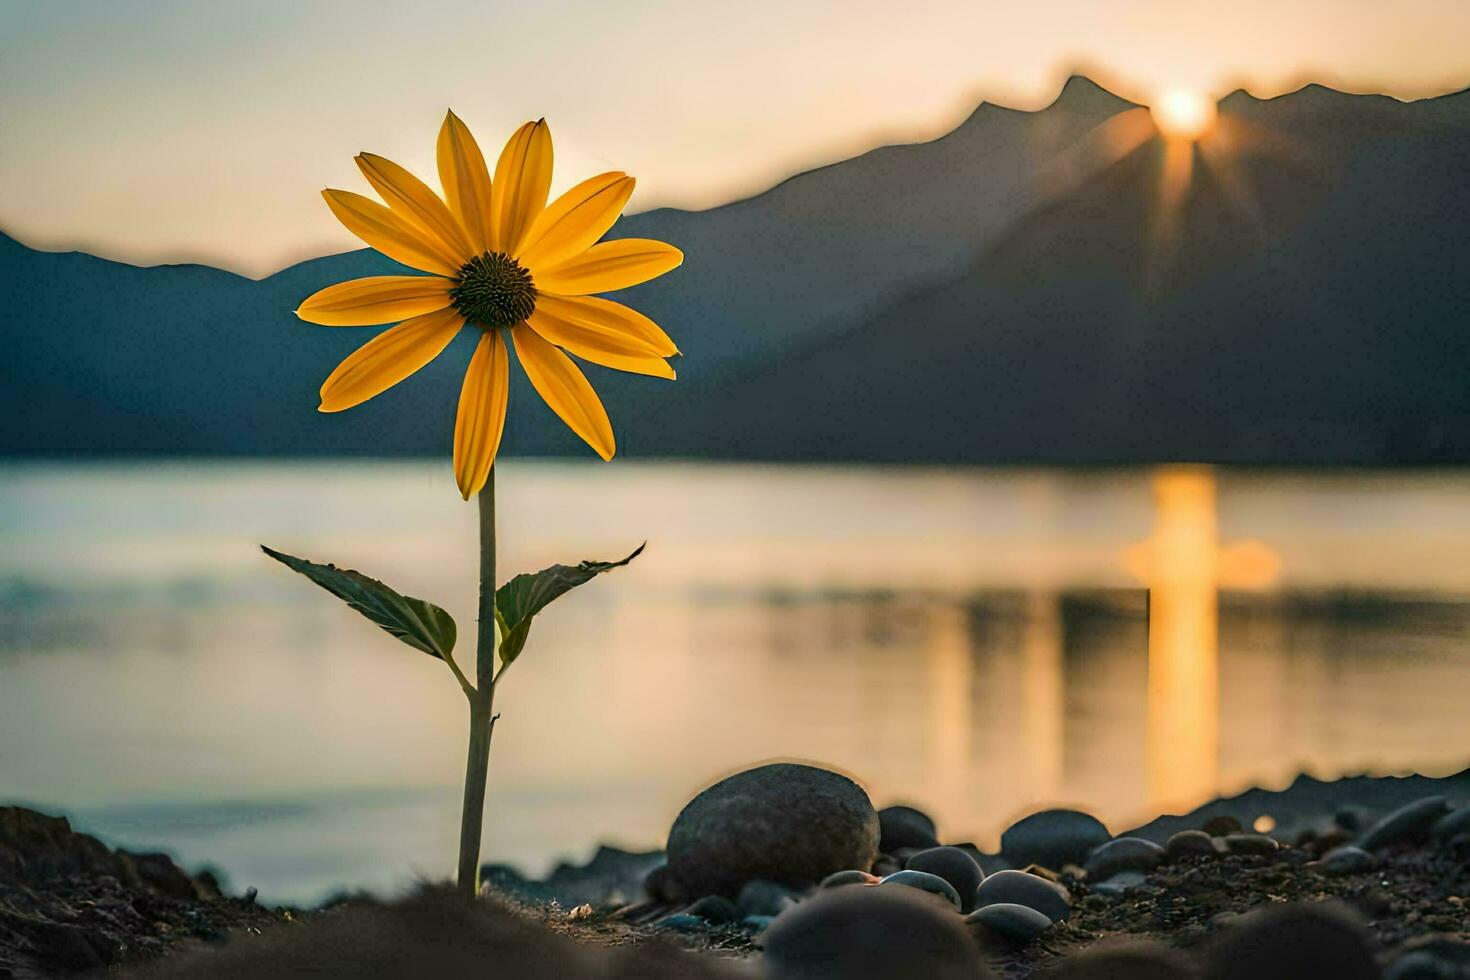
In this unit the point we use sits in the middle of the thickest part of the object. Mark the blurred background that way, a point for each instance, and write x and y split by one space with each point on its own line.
1072 411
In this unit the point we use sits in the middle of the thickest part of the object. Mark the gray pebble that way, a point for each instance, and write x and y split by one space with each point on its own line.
764 898
924 881
757 923
1116 885
714 908
1222 826
841 878
1348 860
1020 888
904 826
1019 922
1123 854
1431 958
1407 823
1250 844
1451 825
683 922
954 866
1190 843
1052 838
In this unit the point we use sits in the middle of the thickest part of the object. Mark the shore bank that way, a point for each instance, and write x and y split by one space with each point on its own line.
1383 864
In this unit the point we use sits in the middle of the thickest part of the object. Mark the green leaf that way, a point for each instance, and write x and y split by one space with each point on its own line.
520 599
422 625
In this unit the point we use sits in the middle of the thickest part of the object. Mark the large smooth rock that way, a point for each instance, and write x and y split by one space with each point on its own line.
1052 838
905 827
1020 888
954 866
1123 854
786 823
871 934
1408 823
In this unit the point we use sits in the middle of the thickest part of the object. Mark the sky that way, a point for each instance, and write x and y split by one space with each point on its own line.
204 131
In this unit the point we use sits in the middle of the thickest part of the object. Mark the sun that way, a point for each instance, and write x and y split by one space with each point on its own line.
1183 114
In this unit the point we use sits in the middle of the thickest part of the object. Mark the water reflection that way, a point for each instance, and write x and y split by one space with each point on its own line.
981 643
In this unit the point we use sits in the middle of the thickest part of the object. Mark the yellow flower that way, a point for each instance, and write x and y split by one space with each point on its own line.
503 261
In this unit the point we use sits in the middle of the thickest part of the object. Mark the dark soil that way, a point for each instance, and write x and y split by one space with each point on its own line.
1414 893
69 903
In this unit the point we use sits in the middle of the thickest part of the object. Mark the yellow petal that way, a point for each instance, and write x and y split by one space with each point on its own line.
377 299
466 181
411 198
654 367
608 266
481 418
581 336
565 389
604 314
574 221
388 358
390 234
522 181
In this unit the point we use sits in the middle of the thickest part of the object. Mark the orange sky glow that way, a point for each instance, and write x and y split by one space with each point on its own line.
174 131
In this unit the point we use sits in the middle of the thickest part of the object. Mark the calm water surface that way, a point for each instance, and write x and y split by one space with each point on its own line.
979 642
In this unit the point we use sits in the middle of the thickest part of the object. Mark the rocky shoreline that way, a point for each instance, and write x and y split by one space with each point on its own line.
787 871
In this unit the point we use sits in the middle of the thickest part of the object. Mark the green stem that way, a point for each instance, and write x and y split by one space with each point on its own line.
482 700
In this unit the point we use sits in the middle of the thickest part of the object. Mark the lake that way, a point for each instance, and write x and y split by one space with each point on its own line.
979 642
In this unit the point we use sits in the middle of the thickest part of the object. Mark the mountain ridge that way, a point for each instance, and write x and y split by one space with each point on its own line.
793 274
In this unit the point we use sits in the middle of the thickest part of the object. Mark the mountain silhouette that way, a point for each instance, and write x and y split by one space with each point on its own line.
1008 292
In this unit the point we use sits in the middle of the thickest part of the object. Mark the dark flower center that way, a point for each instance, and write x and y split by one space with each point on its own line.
494 291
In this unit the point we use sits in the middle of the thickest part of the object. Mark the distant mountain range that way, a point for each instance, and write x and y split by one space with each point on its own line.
1305 299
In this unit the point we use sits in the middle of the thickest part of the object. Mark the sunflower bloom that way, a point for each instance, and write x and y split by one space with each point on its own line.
502 260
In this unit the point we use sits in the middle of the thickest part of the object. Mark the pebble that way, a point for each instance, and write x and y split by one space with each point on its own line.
782 821
1123 854
1250 844
1020 888
955 867
841 878
1018 922
1431 958
764 898
1348 860
1116 885
1222 826
903 826
1053 838
870 933
1451 825
924 881
886 865
684 922
1190 843
659 884
1407 823
1293 942
757 923
714 908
